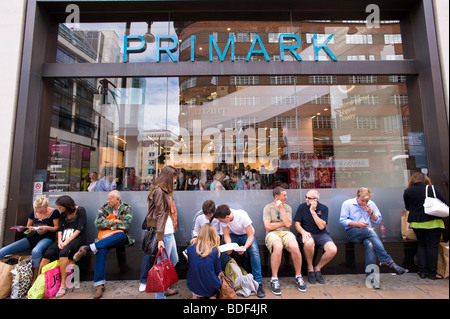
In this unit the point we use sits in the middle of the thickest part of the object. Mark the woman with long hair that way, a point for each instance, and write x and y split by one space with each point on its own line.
428 229
70 237
204 263
161 216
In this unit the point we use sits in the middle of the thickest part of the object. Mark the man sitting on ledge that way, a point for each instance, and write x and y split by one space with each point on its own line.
113 222
357 215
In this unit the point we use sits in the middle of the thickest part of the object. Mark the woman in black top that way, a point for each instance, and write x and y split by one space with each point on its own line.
428 229
42 224
71 236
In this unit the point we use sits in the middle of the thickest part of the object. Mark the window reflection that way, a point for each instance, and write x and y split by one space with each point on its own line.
293 131
351 41
243 131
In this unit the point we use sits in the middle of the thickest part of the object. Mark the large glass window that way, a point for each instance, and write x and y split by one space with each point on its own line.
275 131
315 131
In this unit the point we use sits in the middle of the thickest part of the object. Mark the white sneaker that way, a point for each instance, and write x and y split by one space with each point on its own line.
142 287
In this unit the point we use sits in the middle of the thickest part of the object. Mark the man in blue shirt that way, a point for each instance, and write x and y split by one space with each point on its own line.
357 215
106 184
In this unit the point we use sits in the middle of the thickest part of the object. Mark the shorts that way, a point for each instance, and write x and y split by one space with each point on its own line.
320 240
284 236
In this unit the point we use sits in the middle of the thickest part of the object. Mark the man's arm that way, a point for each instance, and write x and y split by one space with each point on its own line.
250 237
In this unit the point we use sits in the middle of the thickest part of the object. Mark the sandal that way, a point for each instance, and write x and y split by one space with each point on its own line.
435 276
61 292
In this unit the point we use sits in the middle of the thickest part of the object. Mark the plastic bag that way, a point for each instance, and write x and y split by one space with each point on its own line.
21 280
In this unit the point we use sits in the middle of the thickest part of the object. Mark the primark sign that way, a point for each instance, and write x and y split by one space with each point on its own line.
257 47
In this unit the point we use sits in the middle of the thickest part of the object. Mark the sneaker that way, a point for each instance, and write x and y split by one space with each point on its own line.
185 255
142 287
261 293
395 268
300 284
275 287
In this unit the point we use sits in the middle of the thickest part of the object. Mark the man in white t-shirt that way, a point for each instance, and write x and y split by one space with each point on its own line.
237 228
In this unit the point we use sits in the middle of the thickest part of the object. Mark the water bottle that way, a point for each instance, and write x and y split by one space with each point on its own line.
383 232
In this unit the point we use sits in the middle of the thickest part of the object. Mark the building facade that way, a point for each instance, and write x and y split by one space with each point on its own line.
318 94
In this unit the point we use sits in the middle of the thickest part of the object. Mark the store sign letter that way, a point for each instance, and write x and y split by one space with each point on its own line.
257 47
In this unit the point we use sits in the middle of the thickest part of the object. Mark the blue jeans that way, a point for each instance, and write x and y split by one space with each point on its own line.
101 249
253 252
374 246
171 247
22 245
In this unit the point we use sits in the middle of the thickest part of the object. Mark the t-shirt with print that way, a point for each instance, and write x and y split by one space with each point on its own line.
271 213
240 221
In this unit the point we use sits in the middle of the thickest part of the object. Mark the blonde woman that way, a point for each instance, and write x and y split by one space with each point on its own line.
204 263
43 222
217 183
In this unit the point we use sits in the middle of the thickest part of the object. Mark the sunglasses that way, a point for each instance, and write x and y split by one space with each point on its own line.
310 198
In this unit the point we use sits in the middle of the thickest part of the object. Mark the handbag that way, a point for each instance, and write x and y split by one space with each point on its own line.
108 232
434 206
226 291
162 275
149 243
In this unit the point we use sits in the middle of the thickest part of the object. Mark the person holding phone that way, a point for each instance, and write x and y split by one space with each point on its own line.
277 218
357 216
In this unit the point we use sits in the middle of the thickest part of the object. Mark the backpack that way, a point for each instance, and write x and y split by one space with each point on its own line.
235 273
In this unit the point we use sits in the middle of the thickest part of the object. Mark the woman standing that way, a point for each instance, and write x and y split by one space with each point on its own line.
160 207
428 229
42 224
71 236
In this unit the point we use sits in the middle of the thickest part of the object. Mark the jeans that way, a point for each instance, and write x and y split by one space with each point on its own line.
171 247
22 245
427 249
373 244
253 252
101 249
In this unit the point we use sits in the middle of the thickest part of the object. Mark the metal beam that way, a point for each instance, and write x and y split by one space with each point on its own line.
201 68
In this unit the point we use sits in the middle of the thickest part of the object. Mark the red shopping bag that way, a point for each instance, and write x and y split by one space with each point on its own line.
161 276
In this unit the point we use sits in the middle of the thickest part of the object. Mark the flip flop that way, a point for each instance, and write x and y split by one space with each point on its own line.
61 292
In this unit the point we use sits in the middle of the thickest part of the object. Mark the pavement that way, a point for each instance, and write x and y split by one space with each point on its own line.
348 286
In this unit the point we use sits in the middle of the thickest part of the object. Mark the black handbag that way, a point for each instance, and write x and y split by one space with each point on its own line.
150 241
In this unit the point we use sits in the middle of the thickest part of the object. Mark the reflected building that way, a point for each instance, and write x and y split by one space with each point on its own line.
342 131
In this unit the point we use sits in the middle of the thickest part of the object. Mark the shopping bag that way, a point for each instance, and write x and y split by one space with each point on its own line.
22 275
37 291
53 280
162 275
6 265
407 232
442 264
